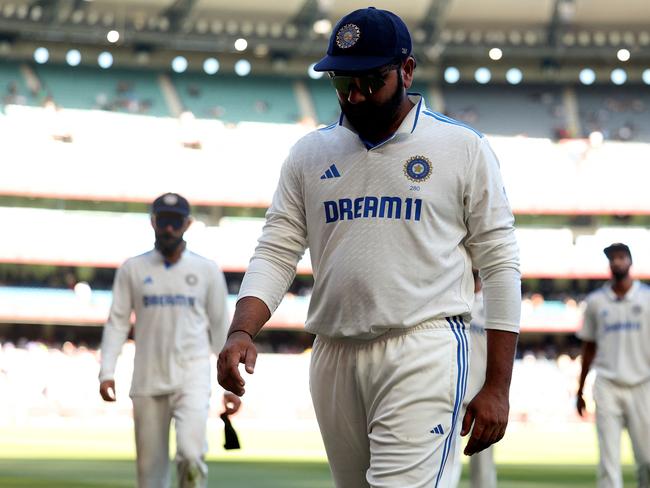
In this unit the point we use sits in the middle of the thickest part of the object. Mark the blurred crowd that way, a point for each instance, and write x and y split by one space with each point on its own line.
37 380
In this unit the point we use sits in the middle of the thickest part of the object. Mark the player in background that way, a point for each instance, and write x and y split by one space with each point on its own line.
483 472
395 203
616 339
179 299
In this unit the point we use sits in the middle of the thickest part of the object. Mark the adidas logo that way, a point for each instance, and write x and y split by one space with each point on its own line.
332 172
438 430
148 280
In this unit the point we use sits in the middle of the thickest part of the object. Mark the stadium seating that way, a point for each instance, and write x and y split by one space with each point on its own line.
324 98
130 91
83 306
13 89
236 99
518 110
545 252
541 176
47 383
620 114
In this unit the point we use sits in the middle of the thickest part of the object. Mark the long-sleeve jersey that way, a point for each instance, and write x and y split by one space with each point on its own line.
181 314
392 230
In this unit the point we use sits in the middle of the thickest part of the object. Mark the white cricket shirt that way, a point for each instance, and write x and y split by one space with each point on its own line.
392 230
621 330
181 315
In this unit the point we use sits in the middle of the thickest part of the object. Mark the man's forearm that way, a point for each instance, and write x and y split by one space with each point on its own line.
501 347
251 314
588 353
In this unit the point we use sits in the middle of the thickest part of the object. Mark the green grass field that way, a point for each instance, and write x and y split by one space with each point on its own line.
70 473
76 454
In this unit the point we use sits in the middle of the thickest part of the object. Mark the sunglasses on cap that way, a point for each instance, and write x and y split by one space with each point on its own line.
174 221
366 82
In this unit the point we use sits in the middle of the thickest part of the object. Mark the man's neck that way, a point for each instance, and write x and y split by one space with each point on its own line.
622 286
380 136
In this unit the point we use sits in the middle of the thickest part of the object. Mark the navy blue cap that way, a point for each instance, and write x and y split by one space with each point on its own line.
172 203
617 246
366 39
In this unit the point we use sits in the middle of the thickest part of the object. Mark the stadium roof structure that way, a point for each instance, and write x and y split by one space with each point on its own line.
551 32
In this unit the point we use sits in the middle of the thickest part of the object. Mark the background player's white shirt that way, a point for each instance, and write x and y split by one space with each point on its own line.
181 314
621 330
478 354
391 243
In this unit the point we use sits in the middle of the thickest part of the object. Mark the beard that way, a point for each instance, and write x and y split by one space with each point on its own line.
167 243
620 274
369 118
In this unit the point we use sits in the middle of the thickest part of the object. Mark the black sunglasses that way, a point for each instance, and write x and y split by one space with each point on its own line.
175 221
367 82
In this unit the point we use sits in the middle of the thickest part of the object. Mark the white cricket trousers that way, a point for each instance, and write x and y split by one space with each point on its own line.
152 417
617 407
388 409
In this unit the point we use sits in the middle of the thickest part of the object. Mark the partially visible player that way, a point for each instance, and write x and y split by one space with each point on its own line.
395 203
179 299
483 473
616 338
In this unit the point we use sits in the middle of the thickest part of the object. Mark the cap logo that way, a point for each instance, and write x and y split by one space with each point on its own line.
170 199
347 36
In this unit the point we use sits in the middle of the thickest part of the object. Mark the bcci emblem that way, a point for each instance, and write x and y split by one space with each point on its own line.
170 199
347 36
636 309
417 168
191 279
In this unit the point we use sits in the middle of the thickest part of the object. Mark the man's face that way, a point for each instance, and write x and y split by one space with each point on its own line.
169 228
371 109
619 264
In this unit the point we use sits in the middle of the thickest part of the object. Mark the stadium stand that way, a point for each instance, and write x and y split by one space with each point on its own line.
14 90
534 111
619 114
41 381
233 99
130 91
324 99
579 173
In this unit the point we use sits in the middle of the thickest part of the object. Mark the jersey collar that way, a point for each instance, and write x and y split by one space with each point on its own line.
631 293
161 259
407 126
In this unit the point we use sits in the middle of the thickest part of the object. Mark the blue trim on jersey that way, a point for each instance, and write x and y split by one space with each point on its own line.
448 120
461 384
329 127
417 113
369 145
341 119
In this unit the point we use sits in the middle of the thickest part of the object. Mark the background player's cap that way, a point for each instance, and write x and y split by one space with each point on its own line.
171 202
617 246
366 39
